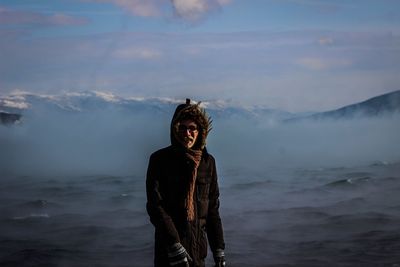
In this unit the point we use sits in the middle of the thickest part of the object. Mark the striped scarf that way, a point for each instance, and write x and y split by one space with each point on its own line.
195 157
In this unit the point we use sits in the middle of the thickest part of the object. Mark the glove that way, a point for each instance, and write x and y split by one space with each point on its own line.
178 256
219 258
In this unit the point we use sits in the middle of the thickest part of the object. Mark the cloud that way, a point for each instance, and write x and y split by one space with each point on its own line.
326 6
142 8
137 53
194 10
10 16
65 20
316 63
325 41
188 10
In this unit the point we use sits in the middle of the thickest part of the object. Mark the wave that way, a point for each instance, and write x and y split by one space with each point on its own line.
250 185
363 219
32 216
349 182
38 204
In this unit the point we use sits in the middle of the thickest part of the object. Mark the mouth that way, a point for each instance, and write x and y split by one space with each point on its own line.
187 139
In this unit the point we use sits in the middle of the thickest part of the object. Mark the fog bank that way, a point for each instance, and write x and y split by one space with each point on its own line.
110 141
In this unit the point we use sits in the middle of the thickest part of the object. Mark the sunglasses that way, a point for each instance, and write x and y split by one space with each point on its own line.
184 128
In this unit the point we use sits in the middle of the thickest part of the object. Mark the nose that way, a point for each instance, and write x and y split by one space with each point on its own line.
187 132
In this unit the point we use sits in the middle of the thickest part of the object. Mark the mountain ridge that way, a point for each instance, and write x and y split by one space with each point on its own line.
380 105
20 104
91 101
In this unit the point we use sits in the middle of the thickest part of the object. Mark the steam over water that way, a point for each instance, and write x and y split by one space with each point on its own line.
72 191
315 217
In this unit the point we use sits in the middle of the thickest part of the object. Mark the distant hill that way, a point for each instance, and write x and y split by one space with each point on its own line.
9 118
377 106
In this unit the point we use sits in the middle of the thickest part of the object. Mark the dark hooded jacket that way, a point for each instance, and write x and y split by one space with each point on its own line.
166 187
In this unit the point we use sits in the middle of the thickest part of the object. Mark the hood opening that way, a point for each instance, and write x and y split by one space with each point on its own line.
198 115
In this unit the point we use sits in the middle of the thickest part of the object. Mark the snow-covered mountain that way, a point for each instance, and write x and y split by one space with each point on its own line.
90 101
26 104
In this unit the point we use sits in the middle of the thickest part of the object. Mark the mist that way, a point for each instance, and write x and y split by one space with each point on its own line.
331 143
104 142
111 141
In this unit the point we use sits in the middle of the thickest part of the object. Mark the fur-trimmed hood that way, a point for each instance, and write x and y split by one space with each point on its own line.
198 115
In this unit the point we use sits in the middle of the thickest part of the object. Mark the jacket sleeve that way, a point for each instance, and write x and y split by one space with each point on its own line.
158 216
214 225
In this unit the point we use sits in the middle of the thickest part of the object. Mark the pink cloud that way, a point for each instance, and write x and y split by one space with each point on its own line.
137 53
10 16
62 19
189 10
142 8
194 10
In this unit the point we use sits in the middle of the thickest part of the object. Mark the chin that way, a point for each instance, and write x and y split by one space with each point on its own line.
186 145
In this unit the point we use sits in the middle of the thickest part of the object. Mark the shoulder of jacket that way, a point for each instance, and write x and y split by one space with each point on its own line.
162 152
207 154
211 157
208 157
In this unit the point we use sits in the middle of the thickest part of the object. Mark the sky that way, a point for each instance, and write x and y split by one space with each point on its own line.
293 55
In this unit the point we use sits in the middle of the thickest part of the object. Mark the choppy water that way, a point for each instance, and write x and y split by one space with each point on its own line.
278 217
